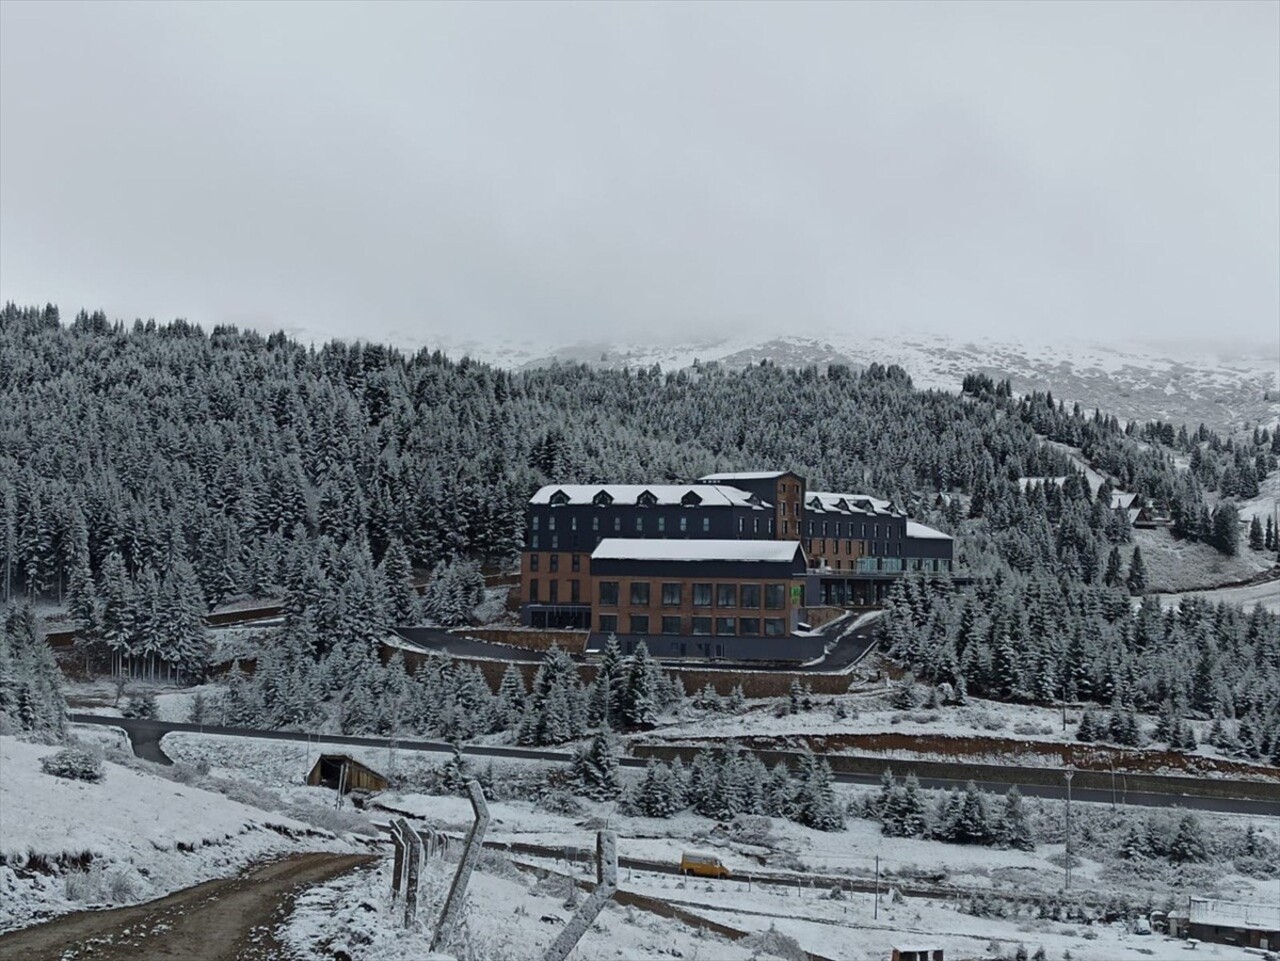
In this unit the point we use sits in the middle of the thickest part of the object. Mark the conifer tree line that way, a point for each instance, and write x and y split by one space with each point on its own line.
727 783
442 698
31 698
1040 639
957 817
148 472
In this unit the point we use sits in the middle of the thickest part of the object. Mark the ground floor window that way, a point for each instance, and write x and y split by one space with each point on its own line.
774 627
609 623
726 625
671 625
639 623
748 625
701 625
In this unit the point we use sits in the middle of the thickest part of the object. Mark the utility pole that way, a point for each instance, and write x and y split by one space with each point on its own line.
1068 774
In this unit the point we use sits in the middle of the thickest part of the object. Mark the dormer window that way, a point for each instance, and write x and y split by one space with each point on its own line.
646 499
602 499
559 499
691 499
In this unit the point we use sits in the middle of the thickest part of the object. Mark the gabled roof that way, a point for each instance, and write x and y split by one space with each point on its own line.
708 495
1121 500
921 532
643 549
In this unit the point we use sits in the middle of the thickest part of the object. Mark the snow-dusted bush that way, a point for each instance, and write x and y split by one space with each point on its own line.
99 885
74 764
774 942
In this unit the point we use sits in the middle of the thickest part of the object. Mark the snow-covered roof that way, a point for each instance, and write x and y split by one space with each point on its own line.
642 549
745 475
828 502
1120 500
1234 915
926 533
704 495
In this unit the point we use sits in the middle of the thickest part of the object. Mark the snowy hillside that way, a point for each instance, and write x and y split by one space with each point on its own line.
133 836
1223 386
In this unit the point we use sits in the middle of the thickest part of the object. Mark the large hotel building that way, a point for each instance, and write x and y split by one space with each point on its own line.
722 568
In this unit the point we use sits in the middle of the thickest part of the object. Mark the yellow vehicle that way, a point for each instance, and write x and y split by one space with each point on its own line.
702 865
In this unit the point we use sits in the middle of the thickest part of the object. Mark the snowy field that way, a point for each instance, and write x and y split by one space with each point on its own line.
134 836
1265 595
777 847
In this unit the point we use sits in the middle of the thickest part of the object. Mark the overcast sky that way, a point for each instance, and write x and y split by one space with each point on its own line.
619 172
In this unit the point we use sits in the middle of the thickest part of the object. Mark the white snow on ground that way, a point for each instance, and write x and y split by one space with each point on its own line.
1265 595
509 916
142 836
1176 565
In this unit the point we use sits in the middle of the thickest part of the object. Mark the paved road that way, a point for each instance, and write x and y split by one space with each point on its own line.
225 920
851 645
143 733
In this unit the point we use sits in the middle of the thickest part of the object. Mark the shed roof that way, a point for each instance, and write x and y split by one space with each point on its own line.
920 531
639 549
749 475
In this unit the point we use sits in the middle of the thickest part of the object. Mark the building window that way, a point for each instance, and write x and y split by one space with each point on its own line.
672 595
836 543
863 535
575 563
639 623
534 545
750 595
684 523
617 523
774 627
877 532
671 625
726 626
755 525
848 547
554 587
775 596
700 625
595 522
555 542
748 625
573 523
784 528
662 525
609 623
701 595
639 593
536 519
640 524
608 593
551 523
824 528
555 563
726 595
533 591
575 596
706 524
741 521
811 528
534 559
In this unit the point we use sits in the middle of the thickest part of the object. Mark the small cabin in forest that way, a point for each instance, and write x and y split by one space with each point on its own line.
344 773
917 952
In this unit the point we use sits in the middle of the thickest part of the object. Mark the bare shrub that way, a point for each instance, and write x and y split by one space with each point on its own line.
776 943
99 885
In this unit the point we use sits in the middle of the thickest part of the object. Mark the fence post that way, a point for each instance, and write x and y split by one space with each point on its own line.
413 874
606 887
397 865
470 855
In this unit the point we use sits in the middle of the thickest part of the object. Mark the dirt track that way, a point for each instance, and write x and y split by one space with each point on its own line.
223 920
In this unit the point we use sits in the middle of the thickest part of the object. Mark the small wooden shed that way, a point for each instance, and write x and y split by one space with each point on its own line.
344 773
917 952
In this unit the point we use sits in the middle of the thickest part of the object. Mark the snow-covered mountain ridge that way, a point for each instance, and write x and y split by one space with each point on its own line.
1223 387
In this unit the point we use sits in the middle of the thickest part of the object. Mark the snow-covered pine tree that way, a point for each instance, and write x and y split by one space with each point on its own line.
1013 830
637 708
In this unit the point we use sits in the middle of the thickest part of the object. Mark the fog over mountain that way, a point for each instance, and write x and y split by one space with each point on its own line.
635 173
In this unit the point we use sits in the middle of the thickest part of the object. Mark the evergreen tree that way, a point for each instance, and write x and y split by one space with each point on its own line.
637 708
595 768
1137 579
1013 830
1256 541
